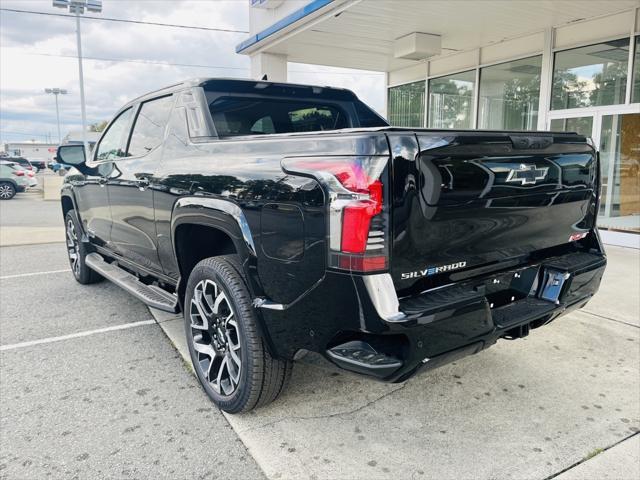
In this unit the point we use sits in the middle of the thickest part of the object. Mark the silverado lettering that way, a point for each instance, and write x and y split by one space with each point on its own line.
432 270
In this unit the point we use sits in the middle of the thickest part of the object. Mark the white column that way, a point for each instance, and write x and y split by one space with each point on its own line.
546 75
270 64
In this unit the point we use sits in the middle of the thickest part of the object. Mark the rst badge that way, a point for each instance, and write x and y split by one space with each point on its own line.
527 174
432 270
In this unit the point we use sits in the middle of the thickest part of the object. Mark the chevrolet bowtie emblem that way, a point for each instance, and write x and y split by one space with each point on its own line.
527 174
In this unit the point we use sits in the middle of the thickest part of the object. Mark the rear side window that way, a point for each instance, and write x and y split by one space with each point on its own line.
148 131
246 116
112 144
367 117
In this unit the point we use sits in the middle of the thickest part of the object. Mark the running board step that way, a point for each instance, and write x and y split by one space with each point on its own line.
150 294
361 357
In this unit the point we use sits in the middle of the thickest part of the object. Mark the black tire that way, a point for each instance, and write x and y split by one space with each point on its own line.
77 251
260 378
7 190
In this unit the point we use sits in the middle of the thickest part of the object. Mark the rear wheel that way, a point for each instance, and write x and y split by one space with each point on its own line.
7 191
77 251
227 352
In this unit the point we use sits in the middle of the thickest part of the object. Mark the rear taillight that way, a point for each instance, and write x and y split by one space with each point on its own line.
358 227
31 174
18 173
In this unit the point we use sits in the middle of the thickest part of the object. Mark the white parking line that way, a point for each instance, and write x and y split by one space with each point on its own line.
86 333
18 275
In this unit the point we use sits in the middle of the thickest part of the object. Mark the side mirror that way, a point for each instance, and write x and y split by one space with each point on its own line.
71 155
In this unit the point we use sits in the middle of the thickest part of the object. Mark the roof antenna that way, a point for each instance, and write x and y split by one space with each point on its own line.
264 77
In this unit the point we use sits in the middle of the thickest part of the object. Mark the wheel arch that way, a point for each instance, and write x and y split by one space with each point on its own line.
67 204
11 181
220 228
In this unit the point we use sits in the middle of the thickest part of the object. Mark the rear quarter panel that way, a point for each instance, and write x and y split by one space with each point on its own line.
285 213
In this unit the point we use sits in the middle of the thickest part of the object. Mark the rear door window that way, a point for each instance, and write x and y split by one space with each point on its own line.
148 131
247 116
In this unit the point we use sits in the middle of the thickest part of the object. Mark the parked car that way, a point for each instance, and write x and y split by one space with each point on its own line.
23 162
57 167
39 164
13 179
29 174
285 218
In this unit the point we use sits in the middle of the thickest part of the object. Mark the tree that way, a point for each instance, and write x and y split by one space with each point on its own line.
98 126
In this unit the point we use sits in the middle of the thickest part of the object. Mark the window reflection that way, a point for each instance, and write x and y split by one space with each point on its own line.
406 105
590 76
509 95
451 101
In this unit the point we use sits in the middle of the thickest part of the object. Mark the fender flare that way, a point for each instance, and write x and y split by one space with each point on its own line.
226 216
67 191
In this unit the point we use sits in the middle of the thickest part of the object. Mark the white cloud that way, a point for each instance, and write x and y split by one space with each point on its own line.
36 51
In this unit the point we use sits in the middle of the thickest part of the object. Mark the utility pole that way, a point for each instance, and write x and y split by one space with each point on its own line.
56 92
78 7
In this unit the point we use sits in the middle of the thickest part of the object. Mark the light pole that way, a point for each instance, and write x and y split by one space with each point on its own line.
78 7
56 92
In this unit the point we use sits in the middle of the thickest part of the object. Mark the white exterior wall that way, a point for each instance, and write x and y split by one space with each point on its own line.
31 150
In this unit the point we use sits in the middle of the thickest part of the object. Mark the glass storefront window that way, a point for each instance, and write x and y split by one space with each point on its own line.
620 166
635 97
590 76
580 125
451 100
509 95
406 105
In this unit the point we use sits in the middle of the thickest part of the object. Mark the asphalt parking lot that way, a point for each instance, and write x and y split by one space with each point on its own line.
93 384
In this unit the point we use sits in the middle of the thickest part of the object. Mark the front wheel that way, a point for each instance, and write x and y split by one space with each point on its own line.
227 352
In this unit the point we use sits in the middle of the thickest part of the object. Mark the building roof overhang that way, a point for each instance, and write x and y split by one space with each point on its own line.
361 33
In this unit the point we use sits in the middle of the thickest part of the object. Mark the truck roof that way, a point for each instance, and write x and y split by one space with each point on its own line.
237 85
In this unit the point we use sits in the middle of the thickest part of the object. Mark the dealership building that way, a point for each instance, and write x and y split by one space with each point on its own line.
519 65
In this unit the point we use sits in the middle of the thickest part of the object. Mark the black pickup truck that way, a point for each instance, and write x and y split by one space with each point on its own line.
282 219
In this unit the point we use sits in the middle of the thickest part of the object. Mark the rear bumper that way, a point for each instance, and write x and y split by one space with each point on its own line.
402 336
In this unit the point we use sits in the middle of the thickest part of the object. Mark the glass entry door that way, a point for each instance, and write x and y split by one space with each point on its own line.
618 138
620 159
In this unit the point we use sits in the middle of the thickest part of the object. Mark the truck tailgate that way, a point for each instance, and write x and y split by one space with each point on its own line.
464 200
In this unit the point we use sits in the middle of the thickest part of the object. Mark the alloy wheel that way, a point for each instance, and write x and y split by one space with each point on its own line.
73 247
6 191
215 337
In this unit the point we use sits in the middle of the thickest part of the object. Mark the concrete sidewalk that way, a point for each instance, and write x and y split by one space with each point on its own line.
619 462
525 409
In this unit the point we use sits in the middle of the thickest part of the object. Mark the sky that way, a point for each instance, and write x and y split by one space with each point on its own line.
125 60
